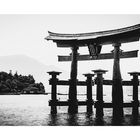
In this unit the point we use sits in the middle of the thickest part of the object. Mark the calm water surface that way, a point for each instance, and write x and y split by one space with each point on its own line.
32 110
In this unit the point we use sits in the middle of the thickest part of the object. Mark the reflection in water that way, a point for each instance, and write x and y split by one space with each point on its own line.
52 119
72 119
99 121
63 119
117 121
84 119
89 119
134 120
34 110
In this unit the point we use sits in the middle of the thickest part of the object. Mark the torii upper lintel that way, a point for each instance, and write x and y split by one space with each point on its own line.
122 35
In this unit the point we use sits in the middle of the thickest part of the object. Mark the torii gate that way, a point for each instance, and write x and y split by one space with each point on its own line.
94 41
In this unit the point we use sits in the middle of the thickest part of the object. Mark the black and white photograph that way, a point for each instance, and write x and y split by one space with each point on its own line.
69 70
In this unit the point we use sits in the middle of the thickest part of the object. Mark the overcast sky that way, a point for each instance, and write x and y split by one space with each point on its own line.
24 34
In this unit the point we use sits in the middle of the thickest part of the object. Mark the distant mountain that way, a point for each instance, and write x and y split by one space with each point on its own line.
26 65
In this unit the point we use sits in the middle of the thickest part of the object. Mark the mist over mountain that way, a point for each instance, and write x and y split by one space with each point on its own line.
26 65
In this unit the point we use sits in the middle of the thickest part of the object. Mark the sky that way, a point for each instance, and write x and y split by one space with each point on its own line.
24 35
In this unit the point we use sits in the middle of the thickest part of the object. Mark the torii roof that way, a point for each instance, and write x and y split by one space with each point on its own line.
122 35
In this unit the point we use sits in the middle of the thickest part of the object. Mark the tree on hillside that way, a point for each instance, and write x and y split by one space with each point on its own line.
18 83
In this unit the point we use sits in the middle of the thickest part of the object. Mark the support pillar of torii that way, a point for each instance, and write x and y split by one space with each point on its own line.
73 103
117 90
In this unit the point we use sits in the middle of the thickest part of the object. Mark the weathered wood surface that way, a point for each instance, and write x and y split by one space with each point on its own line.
128 54
91 35
73 107
110 105
117 89
124 38
83 83
122 35
66 103
82 103
124 83
99 92
66 83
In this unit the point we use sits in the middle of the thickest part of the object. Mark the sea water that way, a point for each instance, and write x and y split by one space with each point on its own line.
32 110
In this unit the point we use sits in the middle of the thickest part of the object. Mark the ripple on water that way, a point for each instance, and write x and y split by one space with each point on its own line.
34 110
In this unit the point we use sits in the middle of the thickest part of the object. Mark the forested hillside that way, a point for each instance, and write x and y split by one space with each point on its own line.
19 84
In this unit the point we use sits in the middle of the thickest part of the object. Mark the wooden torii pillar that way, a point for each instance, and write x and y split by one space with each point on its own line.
73 103
117 90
